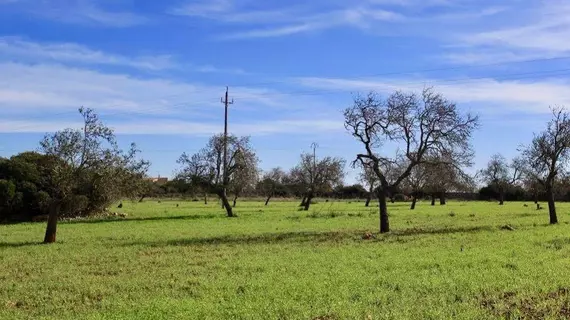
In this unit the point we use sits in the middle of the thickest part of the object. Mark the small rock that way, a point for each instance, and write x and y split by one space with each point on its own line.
508 228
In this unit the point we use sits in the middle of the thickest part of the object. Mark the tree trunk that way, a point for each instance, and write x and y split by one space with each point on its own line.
501 198
226 204
414 199
303 201
442 199
551 206
433 199
392 199
308 201
205 198
51 229
142 198
384 221
267 201
367 204
235 200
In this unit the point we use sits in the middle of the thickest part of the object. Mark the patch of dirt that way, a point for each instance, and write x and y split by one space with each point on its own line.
368 236
544 305
326 317
14 304
507 228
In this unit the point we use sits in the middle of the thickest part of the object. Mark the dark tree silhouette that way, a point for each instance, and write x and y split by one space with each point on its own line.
317 175
501 175
271 182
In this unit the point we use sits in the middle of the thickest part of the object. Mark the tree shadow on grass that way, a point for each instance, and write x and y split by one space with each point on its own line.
265 238
312 237
447 230
19 244
113 219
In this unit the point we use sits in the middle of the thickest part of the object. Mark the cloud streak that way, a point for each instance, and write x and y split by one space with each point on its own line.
488 96
531 32
17 48
285 21
81 12
179 127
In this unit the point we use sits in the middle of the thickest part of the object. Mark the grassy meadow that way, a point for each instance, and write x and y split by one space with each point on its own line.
164 261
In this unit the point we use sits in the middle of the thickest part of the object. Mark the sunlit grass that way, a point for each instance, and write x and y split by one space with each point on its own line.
190 262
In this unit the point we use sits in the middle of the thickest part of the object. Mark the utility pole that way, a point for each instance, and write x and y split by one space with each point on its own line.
226 103
314 145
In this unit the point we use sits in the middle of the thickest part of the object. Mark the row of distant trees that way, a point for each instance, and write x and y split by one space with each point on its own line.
413 144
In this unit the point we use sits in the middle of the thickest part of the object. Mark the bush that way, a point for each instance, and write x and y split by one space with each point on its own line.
400 197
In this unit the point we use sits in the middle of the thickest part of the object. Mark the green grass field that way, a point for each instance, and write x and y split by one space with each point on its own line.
190 262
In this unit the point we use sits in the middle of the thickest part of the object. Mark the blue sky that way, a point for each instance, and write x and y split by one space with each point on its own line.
155 70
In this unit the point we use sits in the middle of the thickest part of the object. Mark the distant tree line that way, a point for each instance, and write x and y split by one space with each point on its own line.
414 146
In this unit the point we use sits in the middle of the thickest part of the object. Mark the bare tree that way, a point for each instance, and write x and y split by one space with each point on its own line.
90 158
531 186
206 169
546 157
369 179
317 175
447 174
501 175
271 182
416 182
419 124
245 179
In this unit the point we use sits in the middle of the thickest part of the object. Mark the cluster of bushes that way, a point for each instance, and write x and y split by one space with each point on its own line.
28 187
78 173
25 186
518 193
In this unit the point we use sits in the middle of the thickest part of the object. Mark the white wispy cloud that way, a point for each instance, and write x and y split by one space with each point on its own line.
84 12
530 32
487 96
18 48
144 105
287 20
179 127
51 87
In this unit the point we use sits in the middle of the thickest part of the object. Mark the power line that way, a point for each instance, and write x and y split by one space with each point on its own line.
514 76
420 70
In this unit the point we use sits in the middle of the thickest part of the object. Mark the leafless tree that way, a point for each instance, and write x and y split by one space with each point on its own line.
447 174
418 124
415 183
501 175
369 179
317 175
546 157
245 179
206 168
270 182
